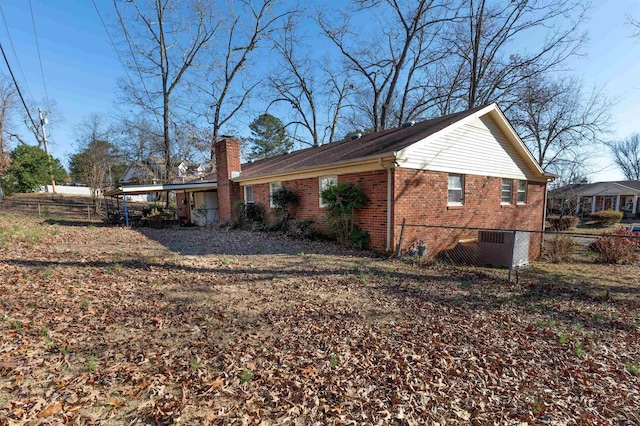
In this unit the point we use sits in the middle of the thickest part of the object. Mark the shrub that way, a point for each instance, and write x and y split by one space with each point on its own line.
247 215
560 249
619 246
562 223
285 201
342 200
607 217
301 228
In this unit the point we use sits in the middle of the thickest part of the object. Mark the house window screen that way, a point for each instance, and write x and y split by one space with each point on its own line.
248 194
522 192
325 182
506 191
456 190
273 188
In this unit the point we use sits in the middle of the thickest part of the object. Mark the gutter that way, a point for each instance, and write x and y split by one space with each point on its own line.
389 202
321 168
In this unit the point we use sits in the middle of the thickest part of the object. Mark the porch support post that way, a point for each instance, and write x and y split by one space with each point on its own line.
126 212
618 203
593 203
578 201
635 204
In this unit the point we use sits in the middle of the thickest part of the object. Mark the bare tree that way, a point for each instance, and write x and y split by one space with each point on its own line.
626 154
486 65
7 101
226 81
559 122
162 40
391 63
313 90
635 24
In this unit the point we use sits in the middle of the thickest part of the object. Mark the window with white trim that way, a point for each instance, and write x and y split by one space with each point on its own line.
455 196
522 192
248 194
325 182
507 187
273 188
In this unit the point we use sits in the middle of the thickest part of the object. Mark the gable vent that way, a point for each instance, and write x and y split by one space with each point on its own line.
409 123
356 136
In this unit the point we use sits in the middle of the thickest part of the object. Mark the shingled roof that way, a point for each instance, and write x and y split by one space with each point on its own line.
347 150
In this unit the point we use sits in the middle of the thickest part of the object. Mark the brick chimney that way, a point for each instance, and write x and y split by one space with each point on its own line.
227 167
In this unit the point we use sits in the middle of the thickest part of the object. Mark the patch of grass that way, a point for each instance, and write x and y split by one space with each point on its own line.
633 369
117 266
92 363
334 361
16 325
195 363
465 285
577 327
44 332
91 225
109 270
563 338
84 304
579 349
46 273
247 375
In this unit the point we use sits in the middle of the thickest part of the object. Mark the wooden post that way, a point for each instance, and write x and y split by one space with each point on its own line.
399 246
88 213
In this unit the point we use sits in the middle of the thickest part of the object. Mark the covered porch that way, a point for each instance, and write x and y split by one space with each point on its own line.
610 196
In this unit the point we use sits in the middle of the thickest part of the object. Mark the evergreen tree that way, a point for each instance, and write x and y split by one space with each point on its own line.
30 168
268 137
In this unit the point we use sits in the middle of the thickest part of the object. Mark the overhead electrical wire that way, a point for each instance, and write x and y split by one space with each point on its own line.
15 53
18 88
35 33
122 62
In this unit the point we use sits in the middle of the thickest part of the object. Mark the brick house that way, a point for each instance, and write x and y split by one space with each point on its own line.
468 169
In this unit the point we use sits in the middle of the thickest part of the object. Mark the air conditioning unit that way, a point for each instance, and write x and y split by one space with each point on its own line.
503 248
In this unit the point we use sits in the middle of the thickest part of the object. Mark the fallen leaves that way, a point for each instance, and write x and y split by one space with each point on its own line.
194 326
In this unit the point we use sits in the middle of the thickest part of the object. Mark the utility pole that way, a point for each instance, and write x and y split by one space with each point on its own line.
43 121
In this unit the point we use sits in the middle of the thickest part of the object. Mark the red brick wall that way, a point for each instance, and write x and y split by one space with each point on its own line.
227 161
421 197
372 218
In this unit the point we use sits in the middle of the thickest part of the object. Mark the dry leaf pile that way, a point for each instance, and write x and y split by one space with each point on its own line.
194 326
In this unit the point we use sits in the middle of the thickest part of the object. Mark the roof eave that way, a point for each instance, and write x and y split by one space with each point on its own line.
386 156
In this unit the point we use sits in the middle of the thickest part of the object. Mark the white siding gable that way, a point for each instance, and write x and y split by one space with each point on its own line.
477 147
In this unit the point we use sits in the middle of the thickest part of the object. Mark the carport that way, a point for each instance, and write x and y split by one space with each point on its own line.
195 200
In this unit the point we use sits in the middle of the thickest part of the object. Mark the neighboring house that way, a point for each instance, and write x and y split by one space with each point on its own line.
188 170
584 198
468 169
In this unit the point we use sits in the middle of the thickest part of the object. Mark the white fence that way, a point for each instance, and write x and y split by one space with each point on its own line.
64 189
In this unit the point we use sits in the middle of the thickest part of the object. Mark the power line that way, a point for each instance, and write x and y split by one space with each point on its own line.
122 62
35 33
15 54
18 88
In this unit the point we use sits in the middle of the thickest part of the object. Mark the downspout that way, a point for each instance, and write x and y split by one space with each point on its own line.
389 202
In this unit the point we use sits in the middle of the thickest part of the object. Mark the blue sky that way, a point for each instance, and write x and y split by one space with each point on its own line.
81 68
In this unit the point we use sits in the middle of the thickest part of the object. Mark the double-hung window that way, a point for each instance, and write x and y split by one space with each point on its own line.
455 195
507 185
248 194
325 182
522 192
273 188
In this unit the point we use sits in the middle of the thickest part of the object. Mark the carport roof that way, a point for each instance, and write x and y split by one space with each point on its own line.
160 187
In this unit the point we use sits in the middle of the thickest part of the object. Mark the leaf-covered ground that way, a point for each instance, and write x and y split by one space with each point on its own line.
103 325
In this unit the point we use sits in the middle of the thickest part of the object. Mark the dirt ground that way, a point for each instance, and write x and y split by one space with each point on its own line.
103 325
